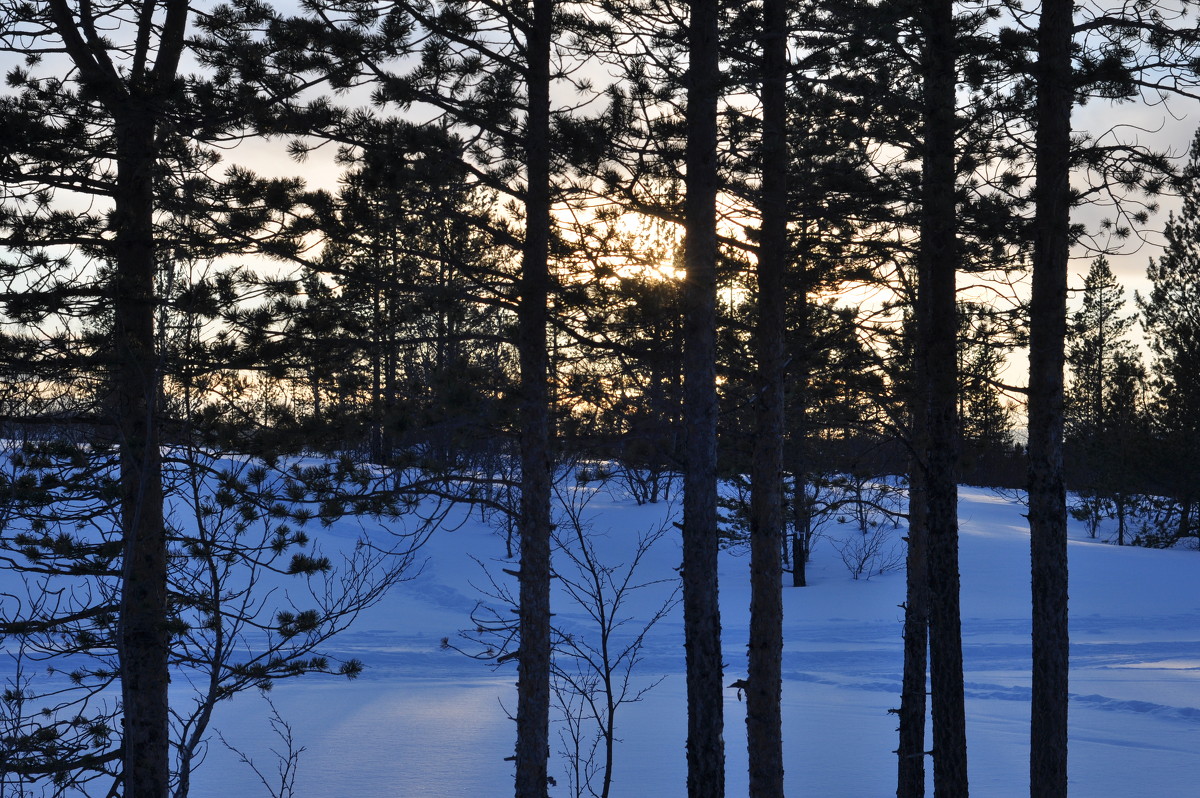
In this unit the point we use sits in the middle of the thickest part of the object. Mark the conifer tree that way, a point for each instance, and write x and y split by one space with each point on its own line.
1047 333
1097 348
129 107
484 75
533 700
702 618
984 418
112 220
937 325
764 725
1103 408
1139 49
1169 314
674 143
408 248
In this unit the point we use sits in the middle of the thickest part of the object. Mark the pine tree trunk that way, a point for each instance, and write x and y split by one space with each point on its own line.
801 523
533 668
377 415
1047 334
797 448
764 724
937 330
143 641
910 782
702 617
133 99
1185 519
1047 501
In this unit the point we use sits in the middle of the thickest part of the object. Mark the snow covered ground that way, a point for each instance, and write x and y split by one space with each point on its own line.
430 723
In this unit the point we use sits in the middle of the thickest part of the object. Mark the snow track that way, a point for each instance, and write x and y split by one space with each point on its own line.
430 723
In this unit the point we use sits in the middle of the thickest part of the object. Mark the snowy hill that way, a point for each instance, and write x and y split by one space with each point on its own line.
430 723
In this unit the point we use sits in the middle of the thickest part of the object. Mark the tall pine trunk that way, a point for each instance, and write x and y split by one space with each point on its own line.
937 330
764 724
910 781
533 696
796 451
1047 333
701 613
134 98
143 640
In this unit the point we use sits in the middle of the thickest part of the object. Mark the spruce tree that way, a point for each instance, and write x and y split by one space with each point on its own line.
1173 332
1097 349
1103 408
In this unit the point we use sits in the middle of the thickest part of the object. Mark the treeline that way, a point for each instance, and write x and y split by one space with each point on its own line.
763 241
1130 432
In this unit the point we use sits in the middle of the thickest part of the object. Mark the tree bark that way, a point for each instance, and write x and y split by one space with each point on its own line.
143 641
1047 334
702 617
937 331
764 723
910 782
797 445
134 101
533 669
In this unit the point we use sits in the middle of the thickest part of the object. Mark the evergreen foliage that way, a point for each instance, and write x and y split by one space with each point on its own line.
1101 357
723 241
1105 412
135 553
1169 314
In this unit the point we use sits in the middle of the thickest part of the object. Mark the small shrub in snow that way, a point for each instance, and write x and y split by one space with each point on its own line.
870 554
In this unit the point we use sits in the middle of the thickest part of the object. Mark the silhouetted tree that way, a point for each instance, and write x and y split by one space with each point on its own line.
1173 332
1047 337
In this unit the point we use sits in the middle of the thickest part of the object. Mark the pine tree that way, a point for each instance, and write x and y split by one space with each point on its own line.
410 254
1047 335
764 725
1103 408
1169 314
937 325
984 419
112 221
484 75
1097 349
627 378
127 109
702 617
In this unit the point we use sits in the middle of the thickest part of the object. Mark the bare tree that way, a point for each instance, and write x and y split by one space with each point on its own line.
287 761
594 667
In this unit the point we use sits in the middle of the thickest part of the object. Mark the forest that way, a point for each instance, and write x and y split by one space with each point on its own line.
270 267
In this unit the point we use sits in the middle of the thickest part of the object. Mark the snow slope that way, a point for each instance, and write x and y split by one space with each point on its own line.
430 723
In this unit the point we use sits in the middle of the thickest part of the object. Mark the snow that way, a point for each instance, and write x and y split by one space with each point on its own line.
423 721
